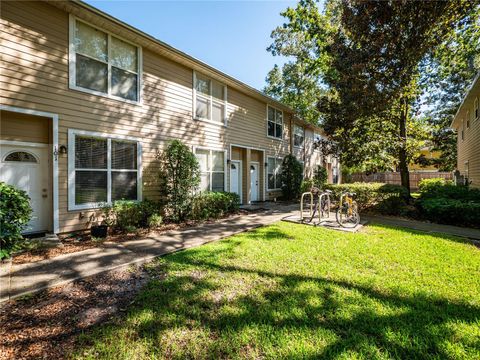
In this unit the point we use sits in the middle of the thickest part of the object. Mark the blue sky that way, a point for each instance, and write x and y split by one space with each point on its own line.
232 36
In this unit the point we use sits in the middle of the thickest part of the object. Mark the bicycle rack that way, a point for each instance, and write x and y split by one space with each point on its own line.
301 204
321 209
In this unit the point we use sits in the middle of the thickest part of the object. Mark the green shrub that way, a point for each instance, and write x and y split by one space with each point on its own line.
441 188
127 215
179 177
210 205
291 176
384 198
154 221
320 176
307 184
15 213
451 211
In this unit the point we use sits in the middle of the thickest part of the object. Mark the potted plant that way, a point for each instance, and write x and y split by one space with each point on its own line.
101 230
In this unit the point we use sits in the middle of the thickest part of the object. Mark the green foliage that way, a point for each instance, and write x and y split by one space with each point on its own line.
15 213
443 202
307 184
291 176
384 198
459 212
127 216
441 188
213 205
370 74
320 176
179 177
154 221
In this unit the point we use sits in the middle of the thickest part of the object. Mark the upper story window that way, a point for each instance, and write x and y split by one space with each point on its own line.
475 109
275 122
210 99
103 64
462 134
298 135
316 140
468 119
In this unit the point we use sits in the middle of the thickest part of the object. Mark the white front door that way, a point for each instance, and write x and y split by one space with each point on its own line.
254 182
235 178
26 167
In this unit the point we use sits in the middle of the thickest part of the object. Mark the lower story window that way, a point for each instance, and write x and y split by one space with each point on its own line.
102 169
212 169
274 167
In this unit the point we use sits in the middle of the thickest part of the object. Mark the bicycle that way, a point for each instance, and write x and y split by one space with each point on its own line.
347 212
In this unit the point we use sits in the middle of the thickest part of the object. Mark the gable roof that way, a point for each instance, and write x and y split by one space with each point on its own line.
475 87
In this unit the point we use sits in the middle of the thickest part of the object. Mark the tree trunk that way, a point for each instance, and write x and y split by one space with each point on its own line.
403 164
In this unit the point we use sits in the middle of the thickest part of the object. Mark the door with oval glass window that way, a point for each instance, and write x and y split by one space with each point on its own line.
254 190
236 178
26 167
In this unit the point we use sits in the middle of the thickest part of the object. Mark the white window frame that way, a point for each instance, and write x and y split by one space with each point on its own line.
72 133
277 159
275 122
72 63
210 171
295 127
476 110
211 99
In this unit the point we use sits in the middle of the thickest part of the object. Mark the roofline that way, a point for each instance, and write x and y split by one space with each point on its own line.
477 77
180 53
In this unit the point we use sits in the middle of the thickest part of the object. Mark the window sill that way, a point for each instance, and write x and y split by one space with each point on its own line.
208 121
272 190
275 138
107 96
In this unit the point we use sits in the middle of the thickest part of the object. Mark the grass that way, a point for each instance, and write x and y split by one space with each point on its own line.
293 291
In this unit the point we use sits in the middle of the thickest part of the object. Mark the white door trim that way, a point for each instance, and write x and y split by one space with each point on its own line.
240 177
54 117
252 148
258 179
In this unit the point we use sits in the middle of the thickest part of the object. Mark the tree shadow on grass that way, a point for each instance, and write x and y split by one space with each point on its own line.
266 314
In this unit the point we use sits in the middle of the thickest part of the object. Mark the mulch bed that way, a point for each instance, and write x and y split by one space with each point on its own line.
46 325
82 241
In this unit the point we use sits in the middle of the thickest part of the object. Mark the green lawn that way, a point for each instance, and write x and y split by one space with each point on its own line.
293 291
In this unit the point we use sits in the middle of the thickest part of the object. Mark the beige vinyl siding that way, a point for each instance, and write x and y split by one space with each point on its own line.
469 148
21 127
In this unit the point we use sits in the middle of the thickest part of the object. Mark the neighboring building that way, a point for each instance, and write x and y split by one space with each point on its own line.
88 102
467 124
428 154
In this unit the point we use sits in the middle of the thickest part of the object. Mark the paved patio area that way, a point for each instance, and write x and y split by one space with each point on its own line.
21 279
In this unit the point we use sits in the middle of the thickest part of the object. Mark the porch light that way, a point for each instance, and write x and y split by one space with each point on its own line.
63 149
228 161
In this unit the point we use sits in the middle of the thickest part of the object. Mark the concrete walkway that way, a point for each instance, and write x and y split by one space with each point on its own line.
18 280
473 234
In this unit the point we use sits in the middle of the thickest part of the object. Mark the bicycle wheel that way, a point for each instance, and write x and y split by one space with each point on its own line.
348 217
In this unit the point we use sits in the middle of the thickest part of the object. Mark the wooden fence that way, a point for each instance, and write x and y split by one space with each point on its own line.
394 177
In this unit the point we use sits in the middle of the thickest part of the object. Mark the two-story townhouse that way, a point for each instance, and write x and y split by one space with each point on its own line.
467 124
88 103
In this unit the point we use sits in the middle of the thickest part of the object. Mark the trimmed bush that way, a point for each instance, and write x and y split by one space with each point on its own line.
451 211
441 188
443 202
291 176
213 205
385 198
126 215
179 177
15 213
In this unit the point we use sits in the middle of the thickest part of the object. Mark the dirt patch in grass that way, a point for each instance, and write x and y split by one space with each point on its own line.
46 325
